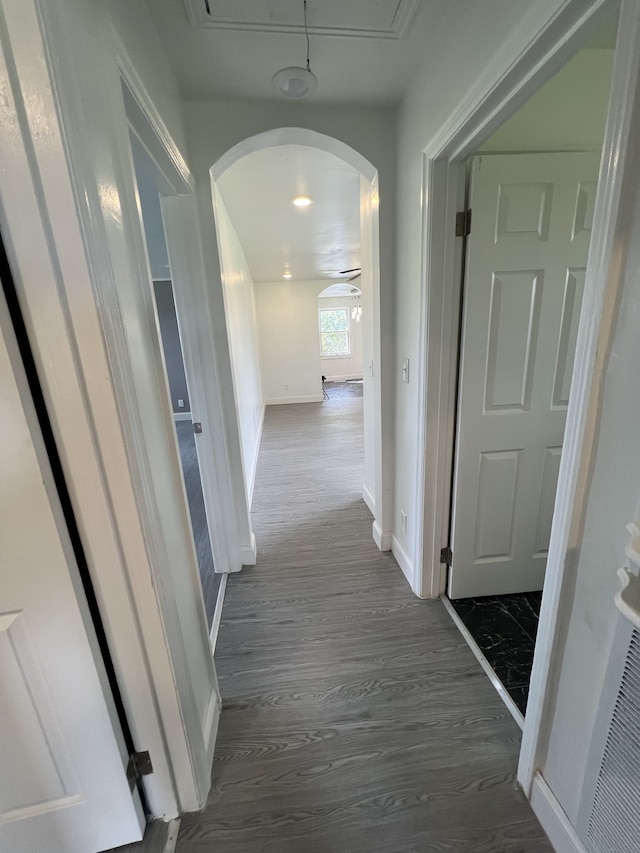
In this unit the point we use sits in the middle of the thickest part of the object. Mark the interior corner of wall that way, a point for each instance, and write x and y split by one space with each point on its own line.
249 553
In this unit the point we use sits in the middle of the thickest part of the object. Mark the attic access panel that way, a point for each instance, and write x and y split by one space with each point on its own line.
388 19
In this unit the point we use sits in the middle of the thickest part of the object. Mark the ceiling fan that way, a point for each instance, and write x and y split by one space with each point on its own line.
356 270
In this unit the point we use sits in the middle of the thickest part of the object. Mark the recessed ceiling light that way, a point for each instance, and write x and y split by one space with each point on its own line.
286 275
302 201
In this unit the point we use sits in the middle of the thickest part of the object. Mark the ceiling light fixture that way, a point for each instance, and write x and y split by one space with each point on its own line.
286 275
294 82
302 201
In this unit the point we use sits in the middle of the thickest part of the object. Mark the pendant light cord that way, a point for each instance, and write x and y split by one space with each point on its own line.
306 32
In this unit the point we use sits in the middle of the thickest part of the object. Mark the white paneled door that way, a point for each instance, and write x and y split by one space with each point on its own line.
63 787
526 259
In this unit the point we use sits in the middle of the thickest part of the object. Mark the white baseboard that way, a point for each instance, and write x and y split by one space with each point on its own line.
369 499
252 474
350 377
283 401
403 560
182 416
553 819
249 553
217 613
382 539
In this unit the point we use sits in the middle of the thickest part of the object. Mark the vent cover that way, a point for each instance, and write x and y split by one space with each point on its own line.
614 822
387 19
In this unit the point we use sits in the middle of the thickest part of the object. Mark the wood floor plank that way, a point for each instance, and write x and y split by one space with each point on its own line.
355 718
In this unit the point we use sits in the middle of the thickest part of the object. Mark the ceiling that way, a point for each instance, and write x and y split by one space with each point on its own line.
360 51
315 242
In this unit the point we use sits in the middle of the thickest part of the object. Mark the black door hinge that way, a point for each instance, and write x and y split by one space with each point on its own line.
139 765
446 556
463 223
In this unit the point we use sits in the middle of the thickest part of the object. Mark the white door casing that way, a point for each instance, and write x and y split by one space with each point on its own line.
63 785
526 259
72 232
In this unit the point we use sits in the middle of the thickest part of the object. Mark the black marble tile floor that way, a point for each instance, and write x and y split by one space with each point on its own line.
505 627
209 579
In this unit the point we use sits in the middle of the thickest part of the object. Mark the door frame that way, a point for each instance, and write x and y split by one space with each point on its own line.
192 301
590 159
374 492
494 98
71 226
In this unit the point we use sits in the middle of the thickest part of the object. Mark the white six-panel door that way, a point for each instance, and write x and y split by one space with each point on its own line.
526 259
63 787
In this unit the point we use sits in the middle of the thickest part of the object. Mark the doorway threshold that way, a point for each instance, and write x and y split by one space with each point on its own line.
217 616
159 837
484 663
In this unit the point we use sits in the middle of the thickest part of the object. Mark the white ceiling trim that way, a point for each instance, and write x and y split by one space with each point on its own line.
209 14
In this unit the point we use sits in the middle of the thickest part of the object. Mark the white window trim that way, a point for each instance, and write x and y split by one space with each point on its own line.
348 331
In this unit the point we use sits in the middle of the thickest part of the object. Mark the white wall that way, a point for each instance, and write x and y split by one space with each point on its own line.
240 311
140 39
569 112
345 367
288 331
481 40
287 317
487 37
612 484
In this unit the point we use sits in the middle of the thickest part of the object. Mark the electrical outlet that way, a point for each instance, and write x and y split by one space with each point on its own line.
286 387
181 404
405 369
403 520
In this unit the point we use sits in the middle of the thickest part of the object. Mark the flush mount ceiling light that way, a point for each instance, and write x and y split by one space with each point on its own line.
294 82
302 201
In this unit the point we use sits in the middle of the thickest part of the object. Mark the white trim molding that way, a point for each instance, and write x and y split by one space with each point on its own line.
249 553
539 46
348 377
217 613
252 473
403 12
402 559
553 819
369 498
537 49
287 401
603 283
382 539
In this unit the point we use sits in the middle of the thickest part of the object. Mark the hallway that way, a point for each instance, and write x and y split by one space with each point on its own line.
355 717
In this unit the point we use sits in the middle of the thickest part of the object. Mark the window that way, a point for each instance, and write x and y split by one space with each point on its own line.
334 332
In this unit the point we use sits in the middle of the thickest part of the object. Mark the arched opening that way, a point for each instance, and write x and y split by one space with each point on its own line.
368 266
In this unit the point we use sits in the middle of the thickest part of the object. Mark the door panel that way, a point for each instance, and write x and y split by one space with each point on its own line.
526 258
63 787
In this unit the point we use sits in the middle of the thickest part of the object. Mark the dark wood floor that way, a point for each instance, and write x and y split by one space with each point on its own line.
355 717
209 579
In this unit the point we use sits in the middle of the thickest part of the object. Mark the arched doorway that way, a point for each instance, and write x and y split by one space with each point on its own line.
369 283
